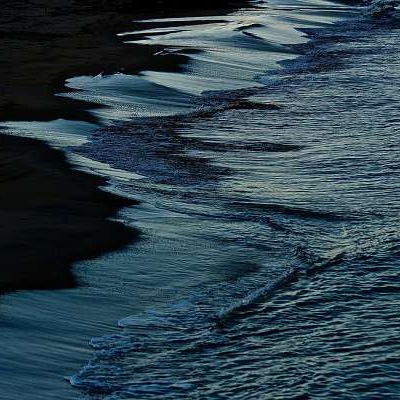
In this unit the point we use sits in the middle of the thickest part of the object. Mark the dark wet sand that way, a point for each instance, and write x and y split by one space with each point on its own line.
52 215
48 41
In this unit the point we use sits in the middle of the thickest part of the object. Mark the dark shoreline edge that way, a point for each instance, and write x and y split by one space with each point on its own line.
52 215
48 42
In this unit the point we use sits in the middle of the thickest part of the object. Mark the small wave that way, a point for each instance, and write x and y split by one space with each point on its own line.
335 257
291 210
262 292
154 341
307 264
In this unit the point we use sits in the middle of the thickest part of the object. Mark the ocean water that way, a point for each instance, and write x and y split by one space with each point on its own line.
267 170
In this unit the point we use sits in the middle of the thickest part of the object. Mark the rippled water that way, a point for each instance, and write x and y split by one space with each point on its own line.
270 210
299 180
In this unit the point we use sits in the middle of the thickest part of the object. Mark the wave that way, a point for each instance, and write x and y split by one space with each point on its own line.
256 295
292 211
142 360
154 340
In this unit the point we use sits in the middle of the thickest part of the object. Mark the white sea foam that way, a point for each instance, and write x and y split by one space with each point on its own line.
99 168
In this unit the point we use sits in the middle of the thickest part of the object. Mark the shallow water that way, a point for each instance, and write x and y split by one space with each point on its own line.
267 266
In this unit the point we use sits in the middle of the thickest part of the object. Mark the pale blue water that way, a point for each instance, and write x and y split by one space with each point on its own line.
268 262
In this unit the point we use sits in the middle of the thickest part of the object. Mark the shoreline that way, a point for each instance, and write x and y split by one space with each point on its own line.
43 46
53 215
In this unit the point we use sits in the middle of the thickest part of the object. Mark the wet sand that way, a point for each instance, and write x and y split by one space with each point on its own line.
52 215
47 42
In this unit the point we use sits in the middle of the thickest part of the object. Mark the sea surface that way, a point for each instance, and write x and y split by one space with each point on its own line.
268 173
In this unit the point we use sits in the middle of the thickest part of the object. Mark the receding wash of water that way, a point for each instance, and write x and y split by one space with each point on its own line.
261 148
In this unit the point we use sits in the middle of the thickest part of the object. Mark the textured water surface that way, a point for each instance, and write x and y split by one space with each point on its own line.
268 173
299 180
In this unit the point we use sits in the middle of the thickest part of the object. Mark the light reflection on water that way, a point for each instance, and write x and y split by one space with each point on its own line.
296 205
307 193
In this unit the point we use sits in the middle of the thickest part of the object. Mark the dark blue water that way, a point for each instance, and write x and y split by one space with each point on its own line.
268 262
297 182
